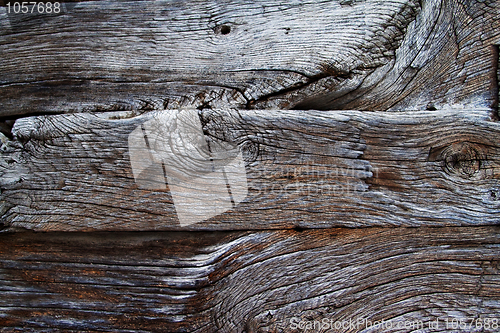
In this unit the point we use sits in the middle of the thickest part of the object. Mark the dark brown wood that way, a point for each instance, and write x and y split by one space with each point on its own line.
248 281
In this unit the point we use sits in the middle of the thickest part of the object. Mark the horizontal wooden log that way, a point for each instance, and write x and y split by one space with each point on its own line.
302 169
266 281
151 55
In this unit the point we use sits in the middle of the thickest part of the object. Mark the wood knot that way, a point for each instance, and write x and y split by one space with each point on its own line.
250 151
463 159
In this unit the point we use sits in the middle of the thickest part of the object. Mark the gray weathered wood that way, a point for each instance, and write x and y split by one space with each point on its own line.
364 55
249 281
305 169
310 169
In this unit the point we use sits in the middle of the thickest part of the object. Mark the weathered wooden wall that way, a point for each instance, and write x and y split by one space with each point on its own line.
387 213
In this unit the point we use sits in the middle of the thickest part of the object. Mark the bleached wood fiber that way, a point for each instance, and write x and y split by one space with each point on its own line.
154 55
314 169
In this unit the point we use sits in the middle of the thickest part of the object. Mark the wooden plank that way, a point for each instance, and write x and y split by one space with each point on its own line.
262 281
151 55
303 169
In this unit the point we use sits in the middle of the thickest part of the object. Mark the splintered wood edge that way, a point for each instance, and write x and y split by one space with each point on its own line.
303 169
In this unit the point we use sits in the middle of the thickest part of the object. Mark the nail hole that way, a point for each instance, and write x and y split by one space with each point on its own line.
225 29
494 195
431 107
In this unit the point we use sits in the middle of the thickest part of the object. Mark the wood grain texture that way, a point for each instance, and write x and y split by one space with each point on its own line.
276 259
247 281
305 169
155 55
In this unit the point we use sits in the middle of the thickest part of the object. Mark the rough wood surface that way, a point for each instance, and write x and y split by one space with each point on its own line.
124 68
249 281
306 169
363 55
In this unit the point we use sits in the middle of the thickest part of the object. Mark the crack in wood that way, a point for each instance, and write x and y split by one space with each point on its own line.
495 81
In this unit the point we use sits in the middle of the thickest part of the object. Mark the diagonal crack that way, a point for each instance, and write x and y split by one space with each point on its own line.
328 72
